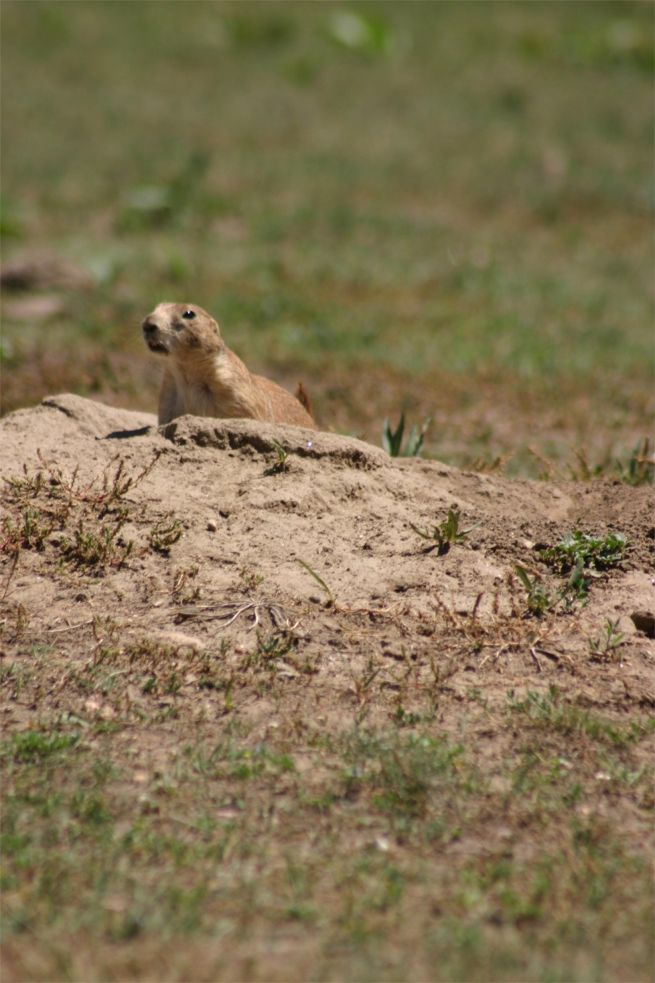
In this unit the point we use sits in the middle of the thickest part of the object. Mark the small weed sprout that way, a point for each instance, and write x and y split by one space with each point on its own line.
114 487
96 548
538 598
446 533
281 462
319 580
22 489
30 531
274 646
392 440
250 579
112 491
576 587
164 534
605 647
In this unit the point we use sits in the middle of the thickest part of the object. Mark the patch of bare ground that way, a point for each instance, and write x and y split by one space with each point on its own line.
258 726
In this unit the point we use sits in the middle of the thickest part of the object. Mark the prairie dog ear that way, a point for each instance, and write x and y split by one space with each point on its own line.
216 328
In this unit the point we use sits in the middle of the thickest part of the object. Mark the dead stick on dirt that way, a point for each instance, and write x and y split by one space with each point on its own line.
497 654
207 613
536 660
278 616
246 607
80 624
184 614
12 570
478 601
555 656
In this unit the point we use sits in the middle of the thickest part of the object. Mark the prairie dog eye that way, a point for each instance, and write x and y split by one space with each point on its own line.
189 315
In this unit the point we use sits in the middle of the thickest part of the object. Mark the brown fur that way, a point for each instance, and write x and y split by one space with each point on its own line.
303 398
205 378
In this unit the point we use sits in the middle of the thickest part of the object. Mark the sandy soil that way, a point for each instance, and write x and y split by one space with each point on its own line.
345 510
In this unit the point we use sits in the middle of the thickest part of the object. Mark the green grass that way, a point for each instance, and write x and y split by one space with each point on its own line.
549 711
406 870
33 745
473 228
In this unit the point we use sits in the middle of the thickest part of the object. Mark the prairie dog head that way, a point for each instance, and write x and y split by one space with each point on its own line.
181 330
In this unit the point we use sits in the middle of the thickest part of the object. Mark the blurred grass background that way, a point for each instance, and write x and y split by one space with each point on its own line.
438 207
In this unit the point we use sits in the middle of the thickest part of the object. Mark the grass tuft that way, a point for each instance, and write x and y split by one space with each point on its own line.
28 746
392 440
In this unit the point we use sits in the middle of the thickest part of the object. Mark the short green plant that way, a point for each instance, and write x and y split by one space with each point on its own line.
582 557
164 534
281 462
539 599
87 518
445 534
97 547
22 489
102 496
606 645
114 486
640 469
274 646
319 580
29 530
576 587
392 440
250 578
593 552
406 718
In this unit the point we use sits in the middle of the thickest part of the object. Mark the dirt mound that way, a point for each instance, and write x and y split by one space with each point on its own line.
324 530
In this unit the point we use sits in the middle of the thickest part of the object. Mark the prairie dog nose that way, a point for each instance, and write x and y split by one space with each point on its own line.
149 327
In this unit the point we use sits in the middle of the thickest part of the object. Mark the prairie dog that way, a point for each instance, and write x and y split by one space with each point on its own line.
204 378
